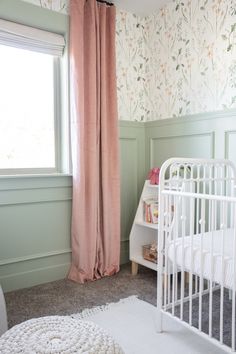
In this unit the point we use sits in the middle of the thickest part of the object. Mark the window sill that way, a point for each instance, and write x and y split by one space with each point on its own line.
35 181
36 175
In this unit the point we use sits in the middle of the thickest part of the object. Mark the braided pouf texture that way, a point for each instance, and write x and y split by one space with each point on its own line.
57 334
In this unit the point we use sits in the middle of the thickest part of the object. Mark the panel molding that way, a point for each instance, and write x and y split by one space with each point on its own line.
42 201
229 113
35 268
131 124
34 256
130 133
34 277
136 159
227 134
36 195
128 138
210 134
133 193
34 182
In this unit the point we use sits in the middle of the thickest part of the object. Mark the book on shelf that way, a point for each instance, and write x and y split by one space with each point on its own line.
150 210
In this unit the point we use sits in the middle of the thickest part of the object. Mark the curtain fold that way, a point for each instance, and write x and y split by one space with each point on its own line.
94 141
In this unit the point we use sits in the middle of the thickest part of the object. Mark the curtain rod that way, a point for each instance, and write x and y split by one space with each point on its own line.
105 2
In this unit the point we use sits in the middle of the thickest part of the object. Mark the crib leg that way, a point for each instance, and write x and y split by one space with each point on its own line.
159 321
134 268
159 313
164 280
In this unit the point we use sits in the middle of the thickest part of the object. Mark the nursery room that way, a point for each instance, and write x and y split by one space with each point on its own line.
117 176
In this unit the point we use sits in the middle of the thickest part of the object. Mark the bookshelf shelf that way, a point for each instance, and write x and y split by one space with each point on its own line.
155 186
147 224
140 260
143 233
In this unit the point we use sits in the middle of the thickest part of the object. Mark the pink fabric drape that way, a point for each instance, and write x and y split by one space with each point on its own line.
94 133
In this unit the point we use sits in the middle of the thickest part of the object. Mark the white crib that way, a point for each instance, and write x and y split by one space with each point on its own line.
197 247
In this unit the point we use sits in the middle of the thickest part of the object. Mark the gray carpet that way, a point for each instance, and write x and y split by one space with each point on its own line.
216 300
227 315
64 297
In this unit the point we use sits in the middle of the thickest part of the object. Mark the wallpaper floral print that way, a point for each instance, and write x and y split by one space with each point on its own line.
193 58
181 60
131 63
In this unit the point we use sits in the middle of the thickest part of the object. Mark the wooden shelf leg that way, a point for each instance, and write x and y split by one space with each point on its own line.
134 268
186 278
164 280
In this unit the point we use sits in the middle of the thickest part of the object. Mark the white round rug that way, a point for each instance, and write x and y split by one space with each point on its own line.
57 335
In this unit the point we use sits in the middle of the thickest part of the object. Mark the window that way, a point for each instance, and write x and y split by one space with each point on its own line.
29 104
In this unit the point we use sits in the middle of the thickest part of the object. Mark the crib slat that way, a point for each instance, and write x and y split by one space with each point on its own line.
192 212
233 207
167 223
183 224
197 216
202 227
174 283
212 228
223 214
166 259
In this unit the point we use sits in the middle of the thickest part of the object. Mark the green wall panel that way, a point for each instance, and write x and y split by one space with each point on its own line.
35 214
209 135
34 228
132 155
230 145
194 145
35 211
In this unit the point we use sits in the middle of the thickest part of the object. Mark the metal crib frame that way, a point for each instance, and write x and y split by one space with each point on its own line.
195 196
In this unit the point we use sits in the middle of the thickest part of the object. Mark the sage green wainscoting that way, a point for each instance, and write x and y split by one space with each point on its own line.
35 213
211 135
132 157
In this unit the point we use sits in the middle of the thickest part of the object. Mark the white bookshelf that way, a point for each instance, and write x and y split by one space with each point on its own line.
143 233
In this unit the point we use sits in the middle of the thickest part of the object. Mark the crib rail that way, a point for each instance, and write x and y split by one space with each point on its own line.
197 246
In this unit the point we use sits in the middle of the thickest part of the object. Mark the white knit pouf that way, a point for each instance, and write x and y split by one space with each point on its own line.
57 335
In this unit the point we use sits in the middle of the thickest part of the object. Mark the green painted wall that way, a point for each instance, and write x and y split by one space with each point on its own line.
132 157
209 135
35 217
35 211
35 214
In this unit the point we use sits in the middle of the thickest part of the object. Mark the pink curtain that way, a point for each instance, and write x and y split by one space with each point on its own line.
94 133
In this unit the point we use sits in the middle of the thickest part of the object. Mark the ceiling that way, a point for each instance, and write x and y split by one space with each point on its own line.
140 7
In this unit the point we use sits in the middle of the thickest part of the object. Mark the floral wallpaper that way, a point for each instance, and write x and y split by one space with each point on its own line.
192 46
180 60
131 63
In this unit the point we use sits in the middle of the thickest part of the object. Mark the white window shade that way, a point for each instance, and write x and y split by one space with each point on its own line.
20 36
